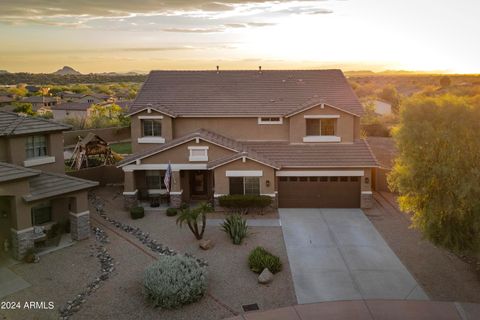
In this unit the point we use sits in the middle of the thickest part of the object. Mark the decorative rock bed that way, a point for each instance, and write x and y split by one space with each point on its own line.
144 237
106 268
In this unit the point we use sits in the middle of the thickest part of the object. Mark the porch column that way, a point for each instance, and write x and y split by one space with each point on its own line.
130 193
79 217
176 190
21 233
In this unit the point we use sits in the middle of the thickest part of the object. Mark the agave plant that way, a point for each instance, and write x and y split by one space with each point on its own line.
192 217
236 227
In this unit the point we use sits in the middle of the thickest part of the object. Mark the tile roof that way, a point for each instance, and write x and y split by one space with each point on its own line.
277 154
39 99
384 149
201 133
357 154
77 106
9 172
245 93
14 124
48 184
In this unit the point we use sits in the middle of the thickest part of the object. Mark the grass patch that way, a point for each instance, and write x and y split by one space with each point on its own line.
122 147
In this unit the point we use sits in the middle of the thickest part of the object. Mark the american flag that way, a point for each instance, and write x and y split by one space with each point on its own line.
168 177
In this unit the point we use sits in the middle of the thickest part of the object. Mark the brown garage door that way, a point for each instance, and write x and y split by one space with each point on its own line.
319 192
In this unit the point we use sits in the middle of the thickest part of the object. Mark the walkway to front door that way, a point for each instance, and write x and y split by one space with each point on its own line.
337 254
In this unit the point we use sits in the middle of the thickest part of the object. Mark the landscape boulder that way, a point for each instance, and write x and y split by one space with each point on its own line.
205 244
265 277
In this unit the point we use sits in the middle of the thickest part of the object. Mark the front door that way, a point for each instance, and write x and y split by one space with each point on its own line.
198 183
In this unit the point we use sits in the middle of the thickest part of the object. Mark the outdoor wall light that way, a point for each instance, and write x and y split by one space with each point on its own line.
367 180
267 183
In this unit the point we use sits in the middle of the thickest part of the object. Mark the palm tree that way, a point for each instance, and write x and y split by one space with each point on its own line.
192 217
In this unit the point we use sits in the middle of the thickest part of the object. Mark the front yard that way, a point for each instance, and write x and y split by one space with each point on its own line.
61 275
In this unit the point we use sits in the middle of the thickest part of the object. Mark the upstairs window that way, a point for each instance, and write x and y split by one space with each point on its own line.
270 120
244 185
152 128
36 146
321 127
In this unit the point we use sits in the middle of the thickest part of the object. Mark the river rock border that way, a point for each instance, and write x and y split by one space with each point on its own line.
144 237
106 268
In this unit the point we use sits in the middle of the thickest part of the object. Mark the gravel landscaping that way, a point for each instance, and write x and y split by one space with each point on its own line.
63 275
441 274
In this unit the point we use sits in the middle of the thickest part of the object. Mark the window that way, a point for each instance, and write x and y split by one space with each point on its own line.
333 179
353 179
344 179
41 214
36 146
244 185
303 179
293 178
270 120
198 153
323 179
312 179
283 179
155 179
152 128
320 127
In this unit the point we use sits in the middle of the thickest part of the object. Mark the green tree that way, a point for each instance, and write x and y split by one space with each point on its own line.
192 218
23 107
437 171
390 94
109 115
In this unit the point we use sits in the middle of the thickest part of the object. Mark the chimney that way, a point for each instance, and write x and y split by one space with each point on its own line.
218 69
259 69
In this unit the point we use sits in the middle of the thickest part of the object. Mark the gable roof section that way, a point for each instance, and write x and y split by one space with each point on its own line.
157 108
252 155
48 184
199 134
9 172
13 124
244 93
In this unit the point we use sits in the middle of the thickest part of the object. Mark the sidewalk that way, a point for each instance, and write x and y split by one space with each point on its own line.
371 310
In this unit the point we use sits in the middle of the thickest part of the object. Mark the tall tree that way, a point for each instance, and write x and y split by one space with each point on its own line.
437 171
390 94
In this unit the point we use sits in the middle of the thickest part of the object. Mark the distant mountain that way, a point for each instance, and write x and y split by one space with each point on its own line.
66 70
3 71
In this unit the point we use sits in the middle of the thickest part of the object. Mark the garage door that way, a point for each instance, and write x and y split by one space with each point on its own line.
319 192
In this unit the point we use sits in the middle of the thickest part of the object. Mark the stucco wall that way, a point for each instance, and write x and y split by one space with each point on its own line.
136 130
222 181
17 145
345 124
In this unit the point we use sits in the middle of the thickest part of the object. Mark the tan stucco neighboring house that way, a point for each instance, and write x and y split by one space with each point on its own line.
35 193
293 135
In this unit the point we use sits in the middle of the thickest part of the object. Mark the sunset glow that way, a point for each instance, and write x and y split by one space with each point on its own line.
41 36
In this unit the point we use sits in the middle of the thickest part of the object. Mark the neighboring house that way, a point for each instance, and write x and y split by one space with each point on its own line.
80 110
35 193
94 98
382 107
77 110
6 100
292 135
41 101
32 89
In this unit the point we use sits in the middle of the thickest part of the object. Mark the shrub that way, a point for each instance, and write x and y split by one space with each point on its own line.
173 281
236 227
171 212
260 259
242 203
137 212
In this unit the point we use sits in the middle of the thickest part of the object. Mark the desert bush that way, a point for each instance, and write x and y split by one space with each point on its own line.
242 203
260 259
236 227
171 212
137 212
174 281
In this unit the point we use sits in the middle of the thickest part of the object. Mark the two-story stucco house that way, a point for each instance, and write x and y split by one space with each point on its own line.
35 193
293 135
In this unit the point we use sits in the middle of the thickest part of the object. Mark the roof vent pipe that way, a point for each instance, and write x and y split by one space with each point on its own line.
218 69
259 69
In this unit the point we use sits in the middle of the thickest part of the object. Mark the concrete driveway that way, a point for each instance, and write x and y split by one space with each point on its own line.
337 254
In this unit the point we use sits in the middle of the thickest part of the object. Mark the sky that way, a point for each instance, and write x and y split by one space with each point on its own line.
127 35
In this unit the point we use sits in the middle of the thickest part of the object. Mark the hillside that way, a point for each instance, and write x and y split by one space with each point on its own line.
66 70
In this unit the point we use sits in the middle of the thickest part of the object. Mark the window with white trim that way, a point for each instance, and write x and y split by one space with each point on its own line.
36 146
321 127
152 128
244 185
198 153
270 120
